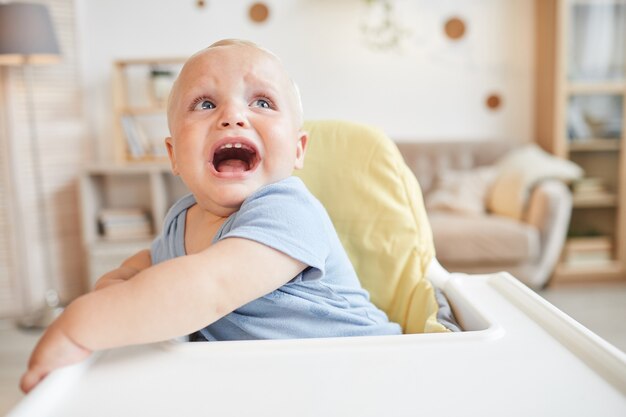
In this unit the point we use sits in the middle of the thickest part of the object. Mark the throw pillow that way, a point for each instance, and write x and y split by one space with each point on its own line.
519 171
463 192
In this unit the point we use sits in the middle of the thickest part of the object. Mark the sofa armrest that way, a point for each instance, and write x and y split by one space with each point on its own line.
549 210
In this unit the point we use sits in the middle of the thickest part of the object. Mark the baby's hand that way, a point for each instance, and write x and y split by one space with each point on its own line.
54 350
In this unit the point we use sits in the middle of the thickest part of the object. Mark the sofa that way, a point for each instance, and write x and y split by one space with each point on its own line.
476 227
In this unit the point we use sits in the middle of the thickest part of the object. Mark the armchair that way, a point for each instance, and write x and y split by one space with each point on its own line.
528 247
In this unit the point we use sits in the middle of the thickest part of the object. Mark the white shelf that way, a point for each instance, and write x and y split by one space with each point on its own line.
149 186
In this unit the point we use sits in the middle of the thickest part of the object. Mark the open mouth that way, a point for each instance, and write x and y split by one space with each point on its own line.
235 157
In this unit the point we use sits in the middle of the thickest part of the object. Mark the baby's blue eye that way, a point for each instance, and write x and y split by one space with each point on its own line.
261 103
204 105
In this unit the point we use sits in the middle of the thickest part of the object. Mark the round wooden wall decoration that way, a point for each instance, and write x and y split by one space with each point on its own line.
200 4
493 102
454 28
259 12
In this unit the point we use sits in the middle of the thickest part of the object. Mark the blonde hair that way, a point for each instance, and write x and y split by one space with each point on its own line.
243 42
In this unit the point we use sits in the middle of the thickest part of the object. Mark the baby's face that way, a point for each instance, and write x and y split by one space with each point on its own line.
235 124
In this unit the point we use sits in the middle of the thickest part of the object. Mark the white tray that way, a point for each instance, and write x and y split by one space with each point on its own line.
522 357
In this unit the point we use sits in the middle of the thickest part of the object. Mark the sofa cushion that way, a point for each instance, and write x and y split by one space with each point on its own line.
483 240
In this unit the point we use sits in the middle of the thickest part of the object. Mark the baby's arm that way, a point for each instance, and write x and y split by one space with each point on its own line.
129 268
167 300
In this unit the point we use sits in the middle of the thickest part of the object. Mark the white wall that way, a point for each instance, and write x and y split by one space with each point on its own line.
432 88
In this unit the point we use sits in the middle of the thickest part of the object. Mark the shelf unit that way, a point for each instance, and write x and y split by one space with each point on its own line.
580 115
147 186
140 90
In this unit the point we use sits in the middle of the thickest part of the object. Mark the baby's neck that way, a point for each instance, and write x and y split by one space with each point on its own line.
201 226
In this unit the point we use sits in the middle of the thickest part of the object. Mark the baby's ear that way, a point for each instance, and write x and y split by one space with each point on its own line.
170 152
301 149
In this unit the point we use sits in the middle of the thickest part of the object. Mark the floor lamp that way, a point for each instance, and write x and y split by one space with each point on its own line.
27 38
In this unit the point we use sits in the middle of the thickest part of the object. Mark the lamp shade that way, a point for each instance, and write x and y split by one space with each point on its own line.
27 35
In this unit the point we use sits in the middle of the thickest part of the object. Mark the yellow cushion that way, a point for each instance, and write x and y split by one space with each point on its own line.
377 208
519 171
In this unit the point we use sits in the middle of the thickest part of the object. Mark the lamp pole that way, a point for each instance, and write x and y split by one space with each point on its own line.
27 37
40 318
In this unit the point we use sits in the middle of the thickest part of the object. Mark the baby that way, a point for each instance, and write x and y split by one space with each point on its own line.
249 254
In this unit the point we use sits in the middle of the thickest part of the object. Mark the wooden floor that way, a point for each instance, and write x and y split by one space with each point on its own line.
599 307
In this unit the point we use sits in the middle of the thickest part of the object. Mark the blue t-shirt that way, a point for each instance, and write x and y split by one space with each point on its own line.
324 300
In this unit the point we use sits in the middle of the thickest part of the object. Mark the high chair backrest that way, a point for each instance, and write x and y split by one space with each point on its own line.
376 205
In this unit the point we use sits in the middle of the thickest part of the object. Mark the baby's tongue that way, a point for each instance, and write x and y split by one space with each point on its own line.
232 165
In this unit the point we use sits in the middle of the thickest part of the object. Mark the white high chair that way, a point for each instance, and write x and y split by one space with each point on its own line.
517 356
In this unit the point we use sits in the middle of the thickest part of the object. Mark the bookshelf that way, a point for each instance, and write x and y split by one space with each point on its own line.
580 115
140 91
139 193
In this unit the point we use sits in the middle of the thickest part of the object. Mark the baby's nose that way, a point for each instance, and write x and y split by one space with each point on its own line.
232 116
239 123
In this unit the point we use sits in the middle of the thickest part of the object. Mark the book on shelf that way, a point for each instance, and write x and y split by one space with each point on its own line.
591 190
156 128
145 135
589 185
138 143
600 198
119 224
588 251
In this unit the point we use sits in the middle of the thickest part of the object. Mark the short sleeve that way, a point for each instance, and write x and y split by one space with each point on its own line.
285 217
170 243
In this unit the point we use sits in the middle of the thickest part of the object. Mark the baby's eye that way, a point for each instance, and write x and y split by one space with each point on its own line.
204 105
261 102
